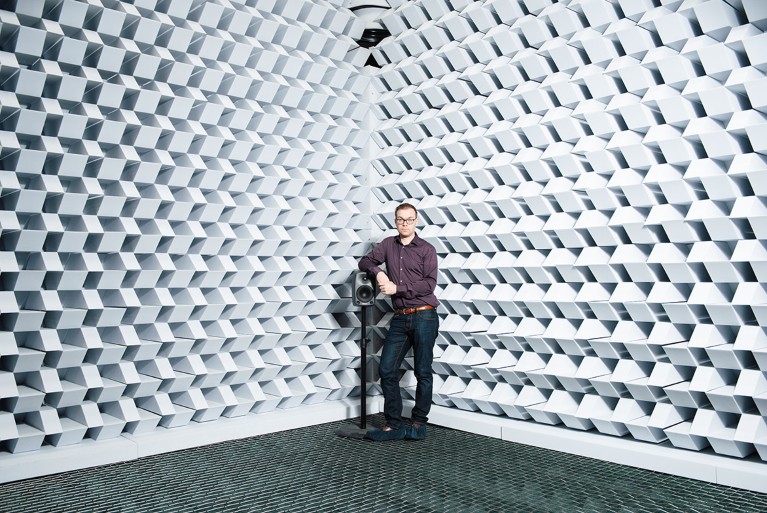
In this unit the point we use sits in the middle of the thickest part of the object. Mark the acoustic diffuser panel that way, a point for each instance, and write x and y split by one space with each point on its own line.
593 176
180 196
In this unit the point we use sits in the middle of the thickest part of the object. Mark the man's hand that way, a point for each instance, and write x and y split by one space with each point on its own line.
389 288
382 279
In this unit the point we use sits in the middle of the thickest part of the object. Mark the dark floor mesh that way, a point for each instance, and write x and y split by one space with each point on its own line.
313 470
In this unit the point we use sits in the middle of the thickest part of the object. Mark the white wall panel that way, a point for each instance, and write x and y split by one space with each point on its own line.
179 201
602 272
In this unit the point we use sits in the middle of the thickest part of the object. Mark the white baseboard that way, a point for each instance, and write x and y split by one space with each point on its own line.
749 474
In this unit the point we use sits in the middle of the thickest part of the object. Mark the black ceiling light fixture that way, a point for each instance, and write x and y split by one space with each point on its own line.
375 32
372 36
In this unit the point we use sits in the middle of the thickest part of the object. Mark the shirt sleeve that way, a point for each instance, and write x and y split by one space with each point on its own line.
370 263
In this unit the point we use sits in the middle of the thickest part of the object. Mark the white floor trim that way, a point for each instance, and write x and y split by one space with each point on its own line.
89 453
749 474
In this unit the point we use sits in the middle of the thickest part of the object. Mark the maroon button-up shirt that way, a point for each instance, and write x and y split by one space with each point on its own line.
412 267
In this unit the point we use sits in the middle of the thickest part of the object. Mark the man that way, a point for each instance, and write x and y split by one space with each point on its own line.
409 280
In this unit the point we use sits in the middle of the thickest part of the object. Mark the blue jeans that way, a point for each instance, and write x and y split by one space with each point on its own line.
417 331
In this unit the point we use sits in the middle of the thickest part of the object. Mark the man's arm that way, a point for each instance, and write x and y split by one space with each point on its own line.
370 264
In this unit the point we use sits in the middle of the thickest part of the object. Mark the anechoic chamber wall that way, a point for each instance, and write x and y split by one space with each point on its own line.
181 187
592 173
184 186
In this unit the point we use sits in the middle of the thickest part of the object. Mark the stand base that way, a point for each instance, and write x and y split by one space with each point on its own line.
351 431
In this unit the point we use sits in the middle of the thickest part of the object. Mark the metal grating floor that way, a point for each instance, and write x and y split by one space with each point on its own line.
312 470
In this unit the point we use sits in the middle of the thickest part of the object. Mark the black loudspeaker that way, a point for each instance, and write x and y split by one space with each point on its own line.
364 292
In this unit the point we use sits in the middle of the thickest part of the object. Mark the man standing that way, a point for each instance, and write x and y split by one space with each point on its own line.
409 280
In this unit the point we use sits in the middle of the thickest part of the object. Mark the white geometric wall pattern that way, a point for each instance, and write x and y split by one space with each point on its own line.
593 174
181 188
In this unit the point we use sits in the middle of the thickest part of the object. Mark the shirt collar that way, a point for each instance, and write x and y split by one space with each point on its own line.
415 242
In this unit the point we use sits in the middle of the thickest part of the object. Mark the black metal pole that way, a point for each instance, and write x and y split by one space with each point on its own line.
363 369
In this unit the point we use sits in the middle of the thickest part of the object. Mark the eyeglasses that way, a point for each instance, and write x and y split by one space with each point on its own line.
406 222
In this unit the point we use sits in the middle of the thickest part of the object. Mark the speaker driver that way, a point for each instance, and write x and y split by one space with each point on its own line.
364 294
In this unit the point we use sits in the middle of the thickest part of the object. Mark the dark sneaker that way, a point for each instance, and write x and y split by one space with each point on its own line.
384 435
416 431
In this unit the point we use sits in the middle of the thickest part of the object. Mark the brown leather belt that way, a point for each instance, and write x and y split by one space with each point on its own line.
408 311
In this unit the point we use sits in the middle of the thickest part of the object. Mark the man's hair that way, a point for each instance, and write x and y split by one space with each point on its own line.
405 206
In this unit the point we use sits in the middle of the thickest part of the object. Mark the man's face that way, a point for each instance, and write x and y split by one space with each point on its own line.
405 220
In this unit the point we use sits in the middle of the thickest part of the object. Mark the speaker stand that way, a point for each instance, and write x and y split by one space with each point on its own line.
354 431
363 367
